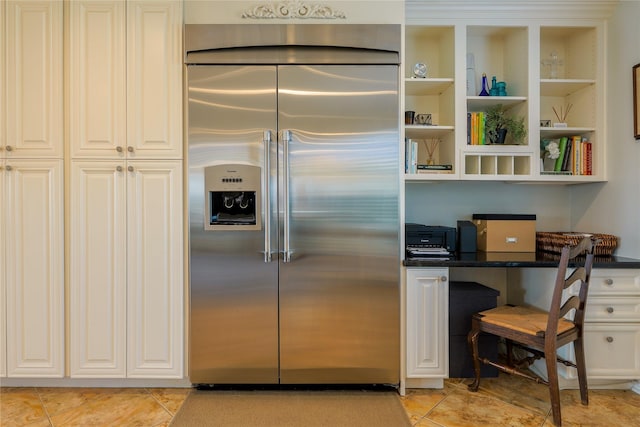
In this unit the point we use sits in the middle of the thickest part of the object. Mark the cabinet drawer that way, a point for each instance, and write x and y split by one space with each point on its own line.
620 309
612 351
615 282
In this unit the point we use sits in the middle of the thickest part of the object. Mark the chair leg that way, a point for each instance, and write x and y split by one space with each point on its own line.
554 390
472 340
578 346
509 345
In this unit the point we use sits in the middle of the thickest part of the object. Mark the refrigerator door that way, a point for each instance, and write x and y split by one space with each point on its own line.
234 285
339 276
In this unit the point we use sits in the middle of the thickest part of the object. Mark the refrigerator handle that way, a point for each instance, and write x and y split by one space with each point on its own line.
286 137
267 195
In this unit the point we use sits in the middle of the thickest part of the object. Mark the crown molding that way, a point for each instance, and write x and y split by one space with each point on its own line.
505 9
292 10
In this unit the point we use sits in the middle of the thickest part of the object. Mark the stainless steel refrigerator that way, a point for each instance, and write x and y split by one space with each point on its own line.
294 232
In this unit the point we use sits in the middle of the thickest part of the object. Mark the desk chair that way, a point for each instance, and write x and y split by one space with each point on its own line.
539 332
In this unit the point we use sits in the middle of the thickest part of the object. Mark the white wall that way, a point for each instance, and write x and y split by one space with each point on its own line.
445 203
614 207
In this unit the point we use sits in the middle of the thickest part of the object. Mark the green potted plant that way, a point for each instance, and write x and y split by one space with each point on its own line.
498 124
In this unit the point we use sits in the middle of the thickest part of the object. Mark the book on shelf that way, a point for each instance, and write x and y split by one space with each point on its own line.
476 128
562 145
575 158
410 155
589 158
567 154
435 167
555 173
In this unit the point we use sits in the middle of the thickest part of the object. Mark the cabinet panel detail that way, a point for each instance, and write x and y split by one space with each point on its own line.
612 351
97 73
427 323
154 76
34 272
155 274
34 77
97 270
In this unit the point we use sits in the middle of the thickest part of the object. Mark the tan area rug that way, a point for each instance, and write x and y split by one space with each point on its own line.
285 408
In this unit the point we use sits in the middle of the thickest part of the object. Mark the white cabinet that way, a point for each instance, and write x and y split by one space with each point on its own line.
33 268
126 238
126 305
31 190
427 330
612 323
34 108
97 277
545 68
125 64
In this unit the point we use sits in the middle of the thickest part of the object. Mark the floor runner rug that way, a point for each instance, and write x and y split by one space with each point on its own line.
288 408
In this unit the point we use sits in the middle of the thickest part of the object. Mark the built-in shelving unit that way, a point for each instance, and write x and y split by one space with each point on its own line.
569 82
544 68
433 94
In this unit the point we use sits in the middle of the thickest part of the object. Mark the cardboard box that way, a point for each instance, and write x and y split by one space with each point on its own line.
505 232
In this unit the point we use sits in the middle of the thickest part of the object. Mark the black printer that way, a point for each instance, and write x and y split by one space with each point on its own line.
429 240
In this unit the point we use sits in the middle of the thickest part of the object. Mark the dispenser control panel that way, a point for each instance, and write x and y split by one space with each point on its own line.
233 197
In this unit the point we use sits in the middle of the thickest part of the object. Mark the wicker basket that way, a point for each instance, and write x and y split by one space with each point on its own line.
555 241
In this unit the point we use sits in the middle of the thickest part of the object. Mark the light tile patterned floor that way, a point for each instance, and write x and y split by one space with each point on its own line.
503 401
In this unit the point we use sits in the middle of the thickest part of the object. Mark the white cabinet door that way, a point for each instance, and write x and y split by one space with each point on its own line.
34 267
97 71
125 66
97 311
154 79
427 323
34 106
612 350
155 273
126 280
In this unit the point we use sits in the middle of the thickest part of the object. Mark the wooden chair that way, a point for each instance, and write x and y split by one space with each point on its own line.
541 333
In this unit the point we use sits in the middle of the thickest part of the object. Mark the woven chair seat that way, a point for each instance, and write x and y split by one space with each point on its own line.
528 320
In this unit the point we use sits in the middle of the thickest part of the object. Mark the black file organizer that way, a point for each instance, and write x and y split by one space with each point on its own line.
465 299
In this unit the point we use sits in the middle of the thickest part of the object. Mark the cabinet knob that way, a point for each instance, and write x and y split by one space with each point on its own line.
608 282
443 278
609 309
9 168
119 168
119 149
130 168
9 148
130 149
609 339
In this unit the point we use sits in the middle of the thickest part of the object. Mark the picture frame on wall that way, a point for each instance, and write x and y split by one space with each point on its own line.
636 100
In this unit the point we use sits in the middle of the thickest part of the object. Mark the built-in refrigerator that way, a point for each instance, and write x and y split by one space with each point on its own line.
293 212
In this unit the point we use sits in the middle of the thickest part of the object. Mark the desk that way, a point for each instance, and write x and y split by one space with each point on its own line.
612 329
517 260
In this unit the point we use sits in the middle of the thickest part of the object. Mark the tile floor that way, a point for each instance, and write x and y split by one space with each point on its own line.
503 401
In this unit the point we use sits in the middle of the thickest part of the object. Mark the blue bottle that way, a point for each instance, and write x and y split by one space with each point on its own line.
485 86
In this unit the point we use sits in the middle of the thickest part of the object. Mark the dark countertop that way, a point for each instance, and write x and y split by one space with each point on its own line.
518 259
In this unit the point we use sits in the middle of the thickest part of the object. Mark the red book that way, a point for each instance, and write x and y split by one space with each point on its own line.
589 158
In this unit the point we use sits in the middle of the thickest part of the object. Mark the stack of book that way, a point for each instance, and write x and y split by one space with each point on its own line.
576 156
410 156
411 164
476 128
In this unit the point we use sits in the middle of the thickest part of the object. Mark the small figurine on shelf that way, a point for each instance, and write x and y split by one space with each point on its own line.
485 86
501 88
494 88
553 63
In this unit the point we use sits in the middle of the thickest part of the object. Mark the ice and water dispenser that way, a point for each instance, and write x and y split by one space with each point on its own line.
233 200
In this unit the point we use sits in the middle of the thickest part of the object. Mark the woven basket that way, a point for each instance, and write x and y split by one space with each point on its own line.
555 241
